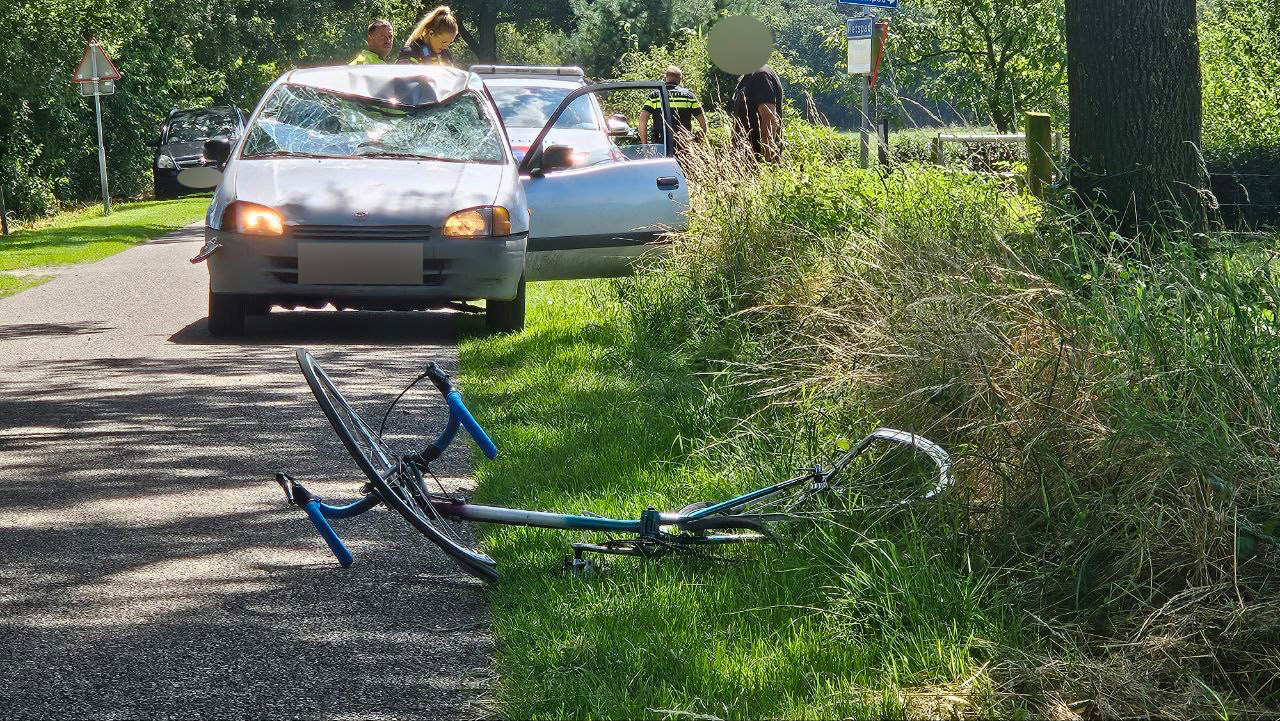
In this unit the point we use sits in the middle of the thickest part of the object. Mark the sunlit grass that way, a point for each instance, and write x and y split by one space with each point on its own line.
87 235
10 284
833 625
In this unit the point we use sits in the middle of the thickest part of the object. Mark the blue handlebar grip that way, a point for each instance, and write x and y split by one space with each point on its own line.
460 412
326 532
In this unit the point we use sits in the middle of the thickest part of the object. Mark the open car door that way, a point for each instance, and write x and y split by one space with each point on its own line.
594 221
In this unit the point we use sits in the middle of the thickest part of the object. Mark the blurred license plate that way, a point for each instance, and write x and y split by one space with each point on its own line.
360 263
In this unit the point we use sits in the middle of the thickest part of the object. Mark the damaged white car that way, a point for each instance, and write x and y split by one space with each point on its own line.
393 187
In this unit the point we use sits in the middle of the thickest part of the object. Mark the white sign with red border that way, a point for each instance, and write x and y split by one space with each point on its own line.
95 66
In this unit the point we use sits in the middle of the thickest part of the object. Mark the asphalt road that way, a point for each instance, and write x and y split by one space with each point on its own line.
148 564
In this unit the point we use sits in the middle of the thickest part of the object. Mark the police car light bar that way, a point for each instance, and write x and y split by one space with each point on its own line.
570 70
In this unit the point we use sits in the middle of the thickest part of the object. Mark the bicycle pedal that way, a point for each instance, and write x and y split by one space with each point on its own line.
579 566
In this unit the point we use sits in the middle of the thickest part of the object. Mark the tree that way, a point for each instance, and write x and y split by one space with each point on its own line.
480 20
1134 82
995 57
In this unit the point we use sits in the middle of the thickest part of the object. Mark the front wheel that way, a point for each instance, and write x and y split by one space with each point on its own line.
226 314
506 316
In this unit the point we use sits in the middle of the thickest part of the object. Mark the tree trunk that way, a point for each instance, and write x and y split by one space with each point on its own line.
1133 75
481 34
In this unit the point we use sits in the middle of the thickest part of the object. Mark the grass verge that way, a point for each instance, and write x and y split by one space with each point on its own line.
87 235
836 624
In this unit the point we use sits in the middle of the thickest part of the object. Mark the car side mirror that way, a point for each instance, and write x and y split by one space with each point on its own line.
217 150
153 143
557 157
618 126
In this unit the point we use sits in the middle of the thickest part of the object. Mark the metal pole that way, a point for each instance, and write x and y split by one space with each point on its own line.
866 118
102 153
4 213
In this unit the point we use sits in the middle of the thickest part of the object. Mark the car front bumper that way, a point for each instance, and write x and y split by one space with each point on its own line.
452 269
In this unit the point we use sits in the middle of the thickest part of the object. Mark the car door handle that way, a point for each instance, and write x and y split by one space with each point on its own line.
668 182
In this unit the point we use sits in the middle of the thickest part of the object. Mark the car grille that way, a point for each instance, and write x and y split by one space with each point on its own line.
359 232
285 270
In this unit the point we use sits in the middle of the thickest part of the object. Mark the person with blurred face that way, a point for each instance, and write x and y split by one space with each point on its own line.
429 42
377 44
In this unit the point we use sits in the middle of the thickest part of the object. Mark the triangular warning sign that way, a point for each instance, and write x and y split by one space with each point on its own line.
95 65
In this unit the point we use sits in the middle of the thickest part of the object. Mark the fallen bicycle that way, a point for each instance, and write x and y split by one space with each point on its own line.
397 479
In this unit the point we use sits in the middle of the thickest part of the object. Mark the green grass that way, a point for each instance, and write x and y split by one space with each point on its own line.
87 235
10 284
834 625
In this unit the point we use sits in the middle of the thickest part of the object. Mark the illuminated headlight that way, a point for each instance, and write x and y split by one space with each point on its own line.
253 219
482 222
164 162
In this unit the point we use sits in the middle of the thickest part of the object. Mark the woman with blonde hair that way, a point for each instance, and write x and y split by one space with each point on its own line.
429 42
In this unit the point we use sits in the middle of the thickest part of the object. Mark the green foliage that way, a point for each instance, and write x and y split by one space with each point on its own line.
172 54
995 58
827 624
1240 56
1111 410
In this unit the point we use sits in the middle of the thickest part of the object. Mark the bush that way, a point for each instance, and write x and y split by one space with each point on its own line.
1112 416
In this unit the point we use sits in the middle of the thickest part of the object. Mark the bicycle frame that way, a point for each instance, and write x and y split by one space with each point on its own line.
648 526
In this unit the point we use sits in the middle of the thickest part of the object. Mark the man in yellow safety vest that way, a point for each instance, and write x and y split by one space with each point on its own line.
377 44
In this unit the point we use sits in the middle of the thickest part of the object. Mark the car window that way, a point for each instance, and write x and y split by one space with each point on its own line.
189 127
300 120
530 107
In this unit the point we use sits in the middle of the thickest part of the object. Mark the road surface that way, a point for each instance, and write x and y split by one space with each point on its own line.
148 564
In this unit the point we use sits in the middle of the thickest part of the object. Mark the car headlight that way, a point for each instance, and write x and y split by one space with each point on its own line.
164 162
253 219
482 222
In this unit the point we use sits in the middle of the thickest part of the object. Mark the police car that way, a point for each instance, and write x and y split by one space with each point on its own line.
527 94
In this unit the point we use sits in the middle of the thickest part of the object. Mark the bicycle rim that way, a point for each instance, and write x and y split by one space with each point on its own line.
399 486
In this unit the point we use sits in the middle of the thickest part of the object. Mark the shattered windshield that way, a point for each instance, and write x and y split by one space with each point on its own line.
191 127
307 122
530 107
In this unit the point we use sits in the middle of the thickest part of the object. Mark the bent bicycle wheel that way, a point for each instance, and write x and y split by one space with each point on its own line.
398 484
861 481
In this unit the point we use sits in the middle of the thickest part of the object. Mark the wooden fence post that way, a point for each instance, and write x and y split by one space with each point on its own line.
939 151
1039 164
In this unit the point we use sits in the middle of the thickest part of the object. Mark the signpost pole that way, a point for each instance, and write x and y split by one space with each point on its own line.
4 213
102 154
866 120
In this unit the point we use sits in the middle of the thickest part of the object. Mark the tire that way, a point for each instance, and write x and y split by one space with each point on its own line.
506 316
401 489
226 314
257 305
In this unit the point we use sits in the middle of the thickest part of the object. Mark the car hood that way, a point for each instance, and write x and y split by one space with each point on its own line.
389 192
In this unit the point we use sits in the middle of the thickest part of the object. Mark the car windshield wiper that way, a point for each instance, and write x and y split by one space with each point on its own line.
288 154
394 154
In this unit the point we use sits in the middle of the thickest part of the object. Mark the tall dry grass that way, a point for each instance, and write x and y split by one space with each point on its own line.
1112 405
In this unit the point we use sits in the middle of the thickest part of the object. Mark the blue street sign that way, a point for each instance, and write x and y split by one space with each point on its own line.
883 4
859 28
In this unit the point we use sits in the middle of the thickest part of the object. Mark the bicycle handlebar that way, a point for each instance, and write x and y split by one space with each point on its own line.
459 416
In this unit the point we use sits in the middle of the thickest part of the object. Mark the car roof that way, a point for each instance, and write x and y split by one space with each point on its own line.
412 85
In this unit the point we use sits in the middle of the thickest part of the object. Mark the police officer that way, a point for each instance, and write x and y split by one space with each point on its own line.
377 44
684 108
429 42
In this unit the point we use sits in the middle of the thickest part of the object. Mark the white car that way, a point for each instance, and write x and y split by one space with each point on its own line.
394 187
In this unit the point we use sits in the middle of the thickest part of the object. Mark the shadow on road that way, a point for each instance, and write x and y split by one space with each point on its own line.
148 564
332 327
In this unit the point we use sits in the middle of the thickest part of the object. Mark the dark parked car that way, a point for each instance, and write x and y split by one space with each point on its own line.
180 166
